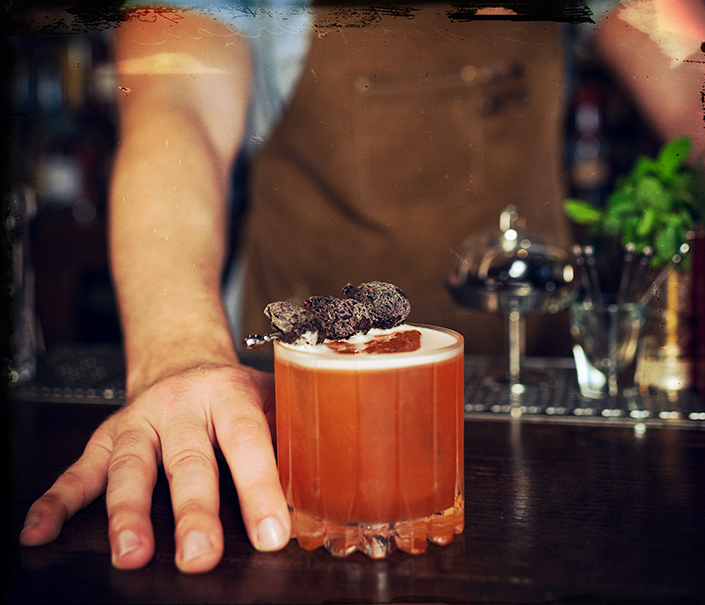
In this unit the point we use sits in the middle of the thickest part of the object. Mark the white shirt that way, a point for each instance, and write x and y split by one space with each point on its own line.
278 33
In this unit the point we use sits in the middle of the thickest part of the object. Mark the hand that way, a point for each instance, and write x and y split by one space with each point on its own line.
177 422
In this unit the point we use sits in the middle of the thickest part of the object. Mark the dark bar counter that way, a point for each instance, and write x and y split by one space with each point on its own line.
561 507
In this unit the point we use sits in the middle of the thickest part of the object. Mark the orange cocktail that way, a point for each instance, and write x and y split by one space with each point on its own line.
370 443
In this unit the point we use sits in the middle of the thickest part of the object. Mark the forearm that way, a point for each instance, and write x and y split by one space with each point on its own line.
168 237
182 111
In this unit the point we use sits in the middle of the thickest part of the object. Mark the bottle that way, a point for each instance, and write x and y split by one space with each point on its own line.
588 147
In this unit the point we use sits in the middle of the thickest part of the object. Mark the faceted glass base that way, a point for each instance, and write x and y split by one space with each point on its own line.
379 540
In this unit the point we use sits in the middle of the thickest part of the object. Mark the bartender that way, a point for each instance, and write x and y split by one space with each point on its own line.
376 141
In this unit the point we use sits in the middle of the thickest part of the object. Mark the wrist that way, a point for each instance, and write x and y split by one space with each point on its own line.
170 347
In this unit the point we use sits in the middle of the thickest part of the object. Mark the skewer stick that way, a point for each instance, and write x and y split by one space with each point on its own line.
255 340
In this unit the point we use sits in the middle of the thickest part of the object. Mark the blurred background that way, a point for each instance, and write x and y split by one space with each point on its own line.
61 128
61 137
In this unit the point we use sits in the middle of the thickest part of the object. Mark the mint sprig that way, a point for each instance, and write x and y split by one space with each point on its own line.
656 204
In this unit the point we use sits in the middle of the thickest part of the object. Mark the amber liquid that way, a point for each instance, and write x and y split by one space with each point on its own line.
372 450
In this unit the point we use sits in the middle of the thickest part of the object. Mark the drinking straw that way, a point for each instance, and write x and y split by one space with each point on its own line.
585 278
644 260
661 277
626 270
590 261
612 319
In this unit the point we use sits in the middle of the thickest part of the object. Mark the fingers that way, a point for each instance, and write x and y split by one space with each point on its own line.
246 443
82 483
177 422
132 474
192 470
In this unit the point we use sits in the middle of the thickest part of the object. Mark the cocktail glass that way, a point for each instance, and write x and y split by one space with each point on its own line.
605 342
515 273
370 446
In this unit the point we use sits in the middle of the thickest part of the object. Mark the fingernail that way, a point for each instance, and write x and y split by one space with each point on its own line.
31 522
195 544
127 541
270 534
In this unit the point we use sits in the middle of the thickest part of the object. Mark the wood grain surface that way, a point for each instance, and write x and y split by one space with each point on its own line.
563 513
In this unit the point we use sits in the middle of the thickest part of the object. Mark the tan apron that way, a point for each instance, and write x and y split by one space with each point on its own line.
404 137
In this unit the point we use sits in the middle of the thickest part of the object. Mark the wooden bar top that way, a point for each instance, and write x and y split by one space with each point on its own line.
555 512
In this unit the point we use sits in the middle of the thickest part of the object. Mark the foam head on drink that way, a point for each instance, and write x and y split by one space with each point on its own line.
369 426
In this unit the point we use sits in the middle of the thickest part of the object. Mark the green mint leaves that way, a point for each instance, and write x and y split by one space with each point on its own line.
655 205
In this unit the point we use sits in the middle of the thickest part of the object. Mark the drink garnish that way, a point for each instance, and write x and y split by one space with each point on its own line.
397 342
388 305
342 318
371 305
295 324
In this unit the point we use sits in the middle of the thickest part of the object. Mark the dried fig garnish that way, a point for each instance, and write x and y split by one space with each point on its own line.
293 323
372 305
388 305
342 318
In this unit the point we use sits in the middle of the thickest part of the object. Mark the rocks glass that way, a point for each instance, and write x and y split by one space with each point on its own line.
605 337
370 445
